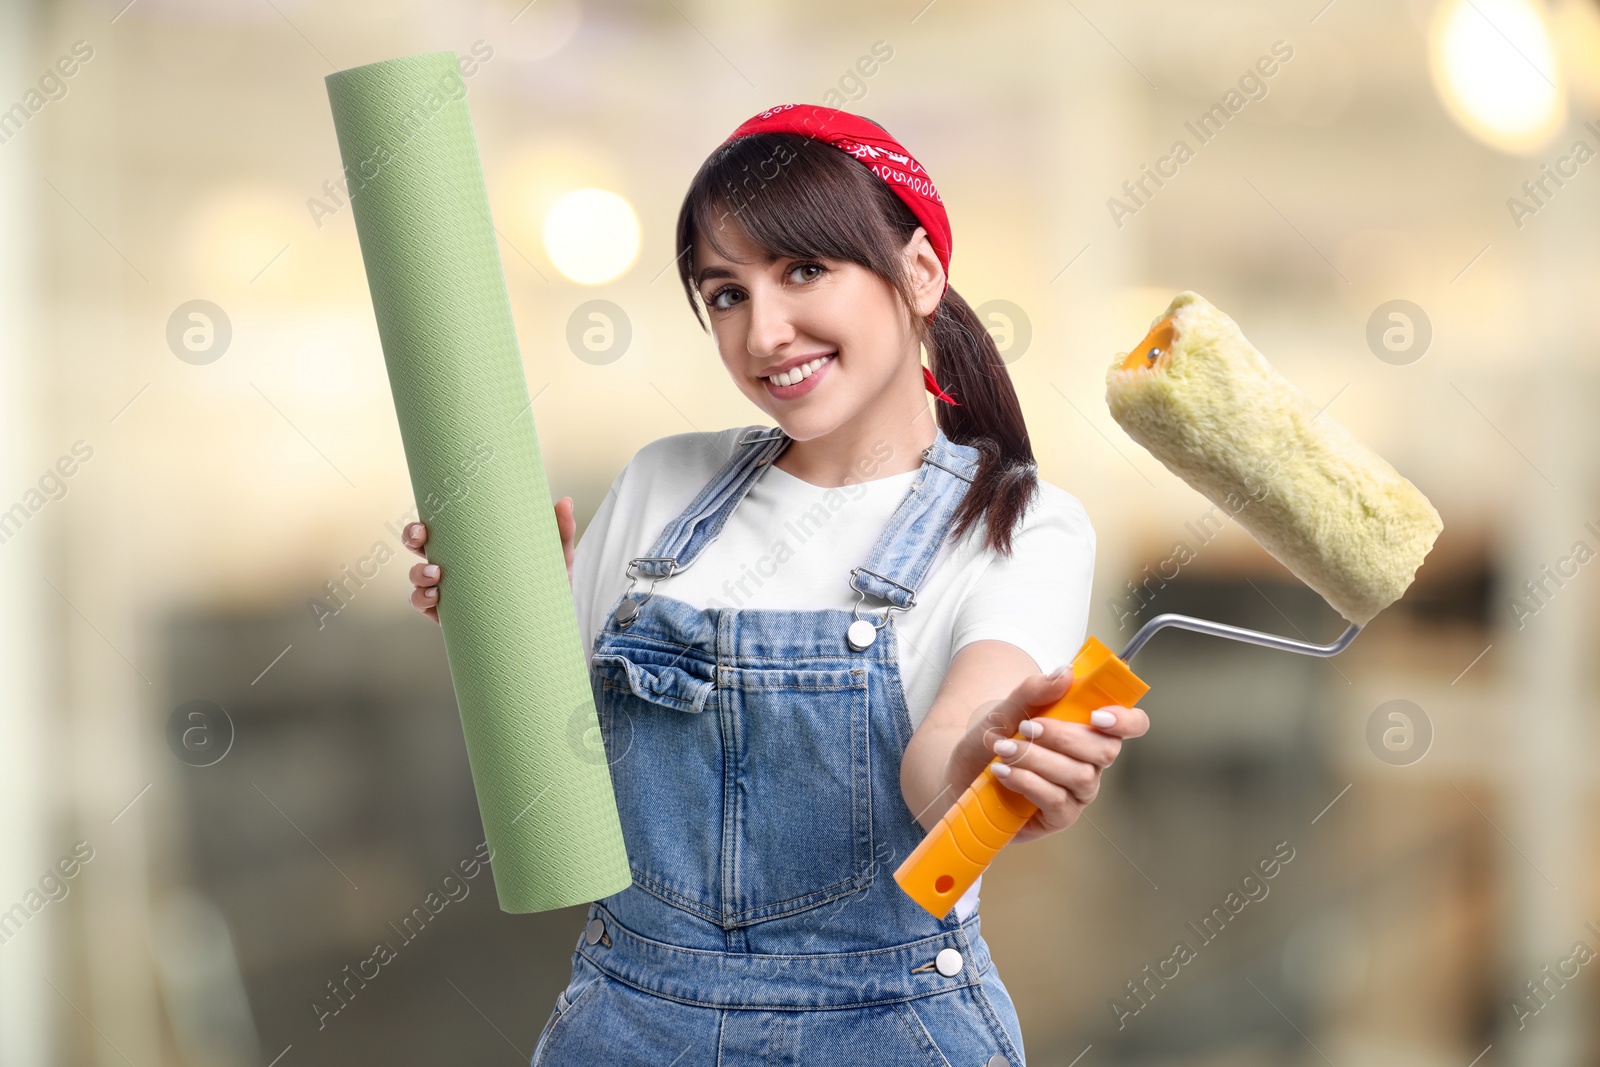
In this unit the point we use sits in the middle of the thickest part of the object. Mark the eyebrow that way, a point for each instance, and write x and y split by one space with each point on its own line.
723 272
712 272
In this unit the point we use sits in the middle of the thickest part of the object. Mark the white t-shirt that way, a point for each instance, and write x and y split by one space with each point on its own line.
791 545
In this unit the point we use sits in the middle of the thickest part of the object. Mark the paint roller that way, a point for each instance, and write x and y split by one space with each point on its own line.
1200 398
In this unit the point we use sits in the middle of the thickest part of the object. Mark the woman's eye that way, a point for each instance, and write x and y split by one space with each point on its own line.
714 300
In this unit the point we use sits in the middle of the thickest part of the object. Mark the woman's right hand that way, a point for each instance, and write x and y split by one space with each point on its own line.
425 576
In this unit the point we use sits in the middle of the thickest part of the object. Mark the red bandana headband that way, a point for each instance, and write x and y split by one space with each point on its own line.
882 155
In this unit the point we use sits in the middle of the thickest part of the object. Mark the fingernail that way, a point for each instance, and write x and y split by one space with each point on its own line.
431 593
431 570
1000 770
1056 674
1102 717
413 531
1030 727
1006 747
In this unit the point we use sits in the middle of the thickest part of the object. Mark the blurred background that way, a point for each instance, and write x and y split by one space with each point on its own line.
231 762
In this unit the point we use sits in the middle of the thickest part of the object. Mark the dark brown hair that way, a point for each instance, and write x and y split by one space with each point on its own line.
797 197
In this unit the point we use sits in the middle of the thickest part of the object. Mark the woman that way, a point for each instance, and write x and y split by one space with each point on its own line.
807 640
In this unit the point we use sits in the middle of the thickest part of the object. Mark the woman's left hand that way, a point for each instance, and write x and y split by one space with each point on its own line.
1058 767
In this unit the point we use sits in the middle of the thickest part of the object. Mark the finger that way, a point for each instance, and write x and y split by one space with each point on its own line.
432 613
1080 777
424 574
1058 808
1073 739
414 536
1118 721
1002 717
567 526
1036 827
1044 689
424 599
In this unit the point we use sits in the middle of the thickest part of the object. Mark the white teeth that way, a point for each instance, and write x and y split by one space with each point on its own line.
800 373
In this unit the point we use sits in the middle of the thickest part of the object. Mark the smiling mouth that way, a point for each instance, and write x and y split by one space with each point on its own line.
799 374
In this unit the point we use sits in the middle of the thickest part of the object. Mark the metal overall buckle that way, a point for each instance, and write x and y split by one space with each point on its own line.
628 610
863 632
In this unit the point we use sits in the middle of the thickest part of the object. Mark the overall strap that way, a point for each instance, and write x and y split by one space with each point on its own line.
688 535
910 543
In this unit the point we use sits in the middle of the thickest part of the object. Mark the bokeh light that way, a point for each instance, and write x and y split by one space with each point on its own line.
592 236
1495 67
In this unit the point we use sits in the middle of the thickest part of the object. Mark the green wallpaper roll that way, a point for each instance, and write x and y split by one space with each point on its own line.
510 630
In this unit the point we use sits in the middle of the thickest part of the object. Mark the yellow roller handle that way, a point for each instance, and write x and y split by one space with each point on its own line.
972 832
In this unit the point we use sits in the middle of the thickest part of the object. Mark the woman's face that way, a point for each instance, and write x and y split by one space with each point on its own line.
779 318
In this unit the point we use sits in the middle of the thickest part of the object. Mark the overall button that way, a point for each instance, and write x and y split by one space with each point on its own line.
997 1060
594 931
948 962
861 634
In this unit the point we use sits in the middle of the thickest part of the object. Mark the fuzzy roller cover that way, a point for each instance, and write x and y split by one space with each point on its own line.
1201 399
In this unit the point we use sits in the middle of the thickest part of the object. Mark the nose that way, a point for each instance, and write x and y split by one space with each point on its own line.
770 326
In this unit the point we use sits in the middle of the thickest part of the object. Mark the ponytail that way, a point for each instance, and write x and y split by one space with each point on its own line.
966 363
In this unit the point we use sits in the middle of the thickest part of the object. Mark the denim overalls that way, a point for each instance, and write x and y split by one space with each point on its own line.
755 757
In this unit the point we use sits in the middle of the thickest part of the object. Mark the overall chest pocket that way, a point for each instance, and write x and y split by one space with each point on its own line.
800 762
659 723
744 795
